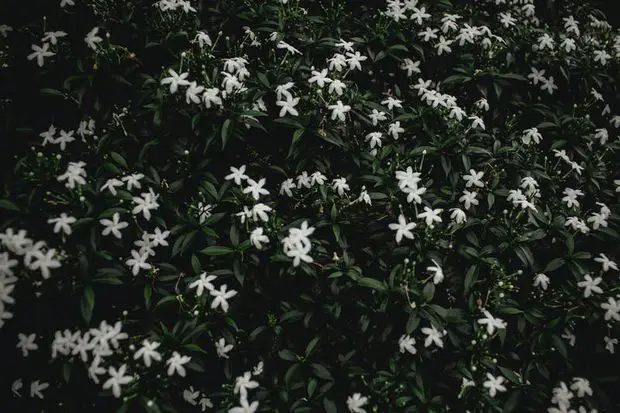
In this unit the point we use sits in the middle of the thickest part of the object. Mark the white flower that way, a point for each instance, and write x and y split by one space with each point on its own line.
146 202
222 348
571 197
190 395
531 134
569 336
612 309
562 396
64 3
40 52
62 223
243 384
477 122
286 186
458 215
258 369
237 174
395 129
111 185
609 344
148 352
355 59
340 185
606 262
432 336
437 271
290 49
159 237
257 238
288 106
469 198
246 407
300 252
431 216
175 80
26 342
408 178
581 386
64 138
138 262
590 285
601 56
132 181
410 66
364 196
541 280
205 402
338 110
192 92
221 296
117 378
392 103
597 220
402 228
320 78
260 211
355 403
255 188
282 90
53 36
375 116
202 283
337 62
491 322
113 226
494 384
176 362
548 85
45 261
92 39
337 86
36 387
406 343
203 39
317 178
210 96
75 174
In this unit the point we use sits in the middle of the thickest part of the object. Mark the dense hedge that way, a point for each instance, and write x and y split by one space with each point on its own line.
305 206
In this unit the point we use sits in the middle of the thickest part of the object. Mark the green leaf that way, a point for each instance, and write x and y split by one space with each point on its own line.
512 76
372 283
217 250
263 79
118 159
554 264
290 373
330 406
429 291
560 346
512 402
52 92
510 375
470 278
87 304
148 293
311 346
321 371
288 355
226 132
6 204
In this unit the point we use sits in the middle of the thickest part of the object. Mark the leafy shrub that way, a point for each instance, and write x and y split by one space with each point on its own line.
241 206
